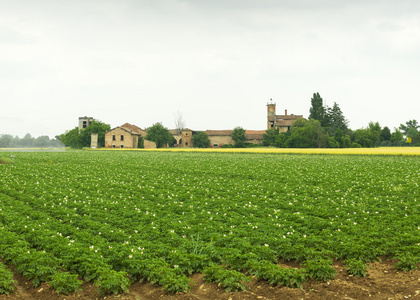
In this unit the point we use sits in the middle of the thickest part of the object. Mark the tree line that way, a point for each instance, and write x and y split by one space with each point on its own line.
9 141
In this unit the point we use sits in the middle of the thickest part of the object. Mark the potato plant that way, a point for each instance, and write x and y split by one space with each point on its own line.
114 217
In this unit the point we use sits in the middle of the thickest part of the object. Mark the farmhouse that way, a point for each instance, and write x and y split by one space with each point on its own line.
127 136
282 122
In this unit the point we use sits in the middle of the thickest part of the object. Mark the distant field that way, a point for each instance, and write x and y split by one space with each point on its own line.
406 151
112 217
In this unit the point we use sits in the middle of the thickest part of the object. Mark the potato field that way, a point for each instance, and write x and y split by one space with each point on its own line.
115 217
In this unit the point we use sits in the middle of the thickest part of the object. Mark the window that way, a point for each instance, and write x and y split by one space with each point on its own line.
215 145
113 146
84 124
122 138
122 146
113 137
272 124
186 144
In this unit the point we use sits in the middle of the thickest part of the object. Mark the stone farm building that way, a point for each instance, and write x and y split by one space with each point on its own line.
128 135
282 122
217 138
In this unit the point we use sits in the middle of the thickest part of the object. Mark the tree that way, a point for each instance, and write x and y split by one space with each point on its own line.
365 137
336 119
385 134
239 137
410 130
95 127
409 124
374 132
42 141
283 140
72 138
308 134
338 136
270 136
27 141
78 139
346 141
160 135
179 122
6 140
201 140
317 110
397 136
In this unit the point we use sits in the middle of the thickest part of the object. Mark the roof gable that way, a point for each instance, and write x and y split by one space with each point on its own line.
133 128
123 129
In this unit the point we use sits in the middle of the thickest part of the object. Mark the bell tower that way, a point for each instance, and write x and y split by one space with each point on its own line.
271 114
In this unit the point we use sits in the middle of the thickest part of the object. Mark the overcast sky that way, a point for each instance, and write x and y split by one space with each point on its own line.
218 62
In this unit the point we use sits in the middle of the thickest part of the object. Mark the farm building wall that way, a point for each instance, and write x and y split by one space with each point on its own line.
282 122
217 141
121 138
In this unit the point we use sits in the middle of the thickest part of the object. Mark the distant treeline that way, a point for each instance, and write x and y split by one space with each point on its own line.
9 141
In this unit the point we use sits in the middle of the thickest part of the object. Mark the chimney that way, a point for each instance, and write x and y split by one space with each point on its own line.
285 112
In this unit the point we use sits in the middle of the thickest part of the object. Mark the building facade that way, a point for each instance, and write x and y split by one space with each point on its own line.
282 122
127 136
84 122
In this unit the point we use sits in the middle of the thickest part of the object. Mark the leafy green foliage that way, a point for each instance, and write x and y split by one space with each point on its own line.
270 272
270 136
335 120
320 269
407 262
8 141
356 267
6 280
230 280
66 283
411 131
238 137
317 109
397 136
200 139
78 139
160 135
113 282
307 134
385 134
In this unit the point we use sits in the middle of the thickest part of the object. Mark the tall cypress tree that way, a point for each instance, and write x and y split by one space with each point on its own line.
317 110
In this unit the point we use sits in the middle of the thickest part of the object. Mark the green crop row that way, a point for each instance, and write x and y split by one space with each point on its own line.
6 280
117 217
